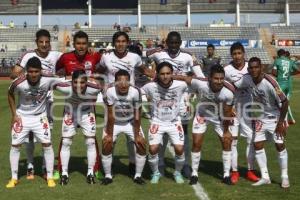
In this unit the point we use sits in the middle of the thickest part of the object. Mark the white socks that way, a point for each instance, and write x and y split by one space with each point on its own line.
91 154
14 157
49 160
283 163
153 162
179 162
196 157
106 164
234 155
65 155
261 158
226 157
139 164
250 155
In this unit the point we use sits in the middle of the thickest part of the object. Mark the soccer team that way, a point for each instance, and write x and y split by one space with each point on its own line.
236 99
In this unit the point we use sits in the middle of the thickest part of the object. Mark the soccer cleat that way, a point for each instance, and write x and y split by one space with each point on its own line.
193 180
12 183
56 175
30 174
155 178
51 183
235 175
262 181
131 169
186 171
285 183
106 181
178 178
227 180
251 176
161 169
90 179
138 180
64 180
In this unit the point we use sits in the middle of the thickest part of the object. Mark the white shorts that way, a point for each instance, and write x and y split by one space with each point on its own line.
38 124
174 131
127 129
244 127
99 98
265 130
200 126
87 122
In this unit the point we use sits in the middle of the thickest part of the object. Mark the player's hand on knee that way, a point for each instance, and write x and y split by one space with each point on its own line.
280 130
108 141
140 142
16 119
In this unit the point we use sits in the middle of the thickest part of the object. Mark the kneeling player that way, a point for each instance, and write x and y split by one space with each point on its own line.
79 111
215 107
165 96
31 116
123 116
266 92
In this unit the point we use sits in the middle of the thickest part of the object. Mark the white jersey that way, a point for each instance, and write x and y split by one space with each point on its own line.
48 63
124 105
165 102
267 93
32 99
209 101
113 64
232 75
183 62
84 102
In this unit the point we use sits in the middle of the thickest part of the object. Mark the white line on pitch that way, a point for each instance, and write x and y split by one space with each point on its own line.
199 190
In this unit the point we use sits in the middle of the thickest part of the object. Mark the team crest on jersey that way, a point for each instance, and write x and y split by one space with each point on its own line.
153 128
88 65
68 119
18 126
92 118
200 119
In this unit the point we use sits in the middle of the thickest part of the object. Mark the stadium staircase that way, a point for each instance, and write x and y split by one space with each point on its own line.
266 36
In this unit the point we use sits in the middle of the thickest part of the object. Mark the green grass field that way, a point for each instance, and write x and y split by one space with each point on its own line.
123 188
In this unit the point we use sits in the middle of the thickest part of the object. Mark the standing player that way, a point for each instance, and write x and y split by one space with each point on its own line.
266 91
183 63
121 59
165 96
30 116
123 107
48 59
80 58
209 60
216 99
283 68
79 110
233 72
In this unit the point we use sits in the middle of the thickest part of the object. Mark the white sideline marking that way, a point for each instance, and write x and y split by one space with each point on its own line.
199 190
